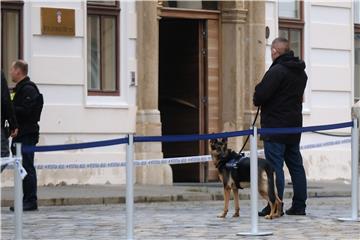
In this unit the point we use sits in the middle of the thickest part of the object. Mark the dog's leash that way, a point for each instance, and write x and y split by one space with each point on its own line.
253 124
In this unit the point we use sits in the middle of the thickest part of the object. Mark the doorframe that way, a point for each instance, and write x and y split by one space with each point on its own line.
203 96
188 13
204 15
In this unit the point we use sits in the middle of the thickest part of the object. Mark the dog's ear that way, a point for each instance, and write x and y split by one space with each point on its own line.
224 140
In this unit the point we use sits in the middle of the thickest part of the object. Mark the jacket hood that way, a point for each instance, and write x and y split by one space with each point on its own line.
21 83
290 61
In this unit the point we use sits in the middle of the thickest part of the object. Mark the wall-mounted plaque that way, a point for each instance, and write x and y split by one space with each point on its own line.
58 21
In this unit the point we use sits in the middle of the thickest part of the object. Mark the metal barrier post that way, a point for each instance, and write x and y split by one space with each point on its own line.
354 173
254 189
130 188
18 194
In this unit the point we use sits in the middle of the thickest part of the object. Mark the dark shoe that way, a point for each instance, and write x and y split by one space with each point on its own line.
27 207
295 211
266 211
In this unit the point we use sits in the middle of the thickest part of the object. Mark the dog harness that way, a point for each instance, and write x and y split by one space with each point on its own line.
231 161
237 165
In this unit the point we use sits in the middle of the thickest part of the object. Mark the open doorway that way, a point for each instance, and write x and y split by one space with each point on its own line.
182 94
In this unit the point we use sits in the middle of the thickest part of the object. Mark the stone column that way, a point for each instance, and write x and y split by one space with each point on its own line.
255 43
148 115
243 61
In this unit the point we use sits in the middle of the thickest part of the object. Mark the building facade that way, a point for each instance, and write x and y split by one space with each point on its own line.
177 67
198 63
325 35
86 80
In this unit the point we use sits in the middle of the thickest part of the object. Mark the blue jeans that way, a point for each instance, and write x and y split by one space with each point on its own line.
277 154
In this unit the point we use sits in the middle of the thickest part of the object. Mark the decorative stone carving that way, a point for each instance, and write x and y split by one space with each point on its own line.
234 15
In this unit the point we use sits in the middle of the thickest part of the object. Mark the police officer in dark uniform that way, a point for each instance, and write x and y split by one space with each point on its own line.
26 107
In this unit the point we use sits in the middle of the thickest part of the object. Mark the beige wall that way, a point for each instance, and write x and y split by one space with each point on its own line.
243 58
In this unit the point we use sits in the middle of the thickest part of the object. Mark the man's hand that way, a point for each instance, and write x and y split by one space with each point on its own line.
14 132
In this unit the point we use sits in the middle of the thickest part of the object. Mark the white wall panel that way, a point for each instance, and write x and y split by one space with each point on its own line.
52 69
326 99
58 46
331 78
330 15
76 119
331 36
62 94
328 115
332 3
328 57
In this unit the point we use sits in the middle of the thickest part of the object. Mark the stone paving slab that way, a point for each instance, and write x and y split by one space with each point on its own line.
182 220
112 194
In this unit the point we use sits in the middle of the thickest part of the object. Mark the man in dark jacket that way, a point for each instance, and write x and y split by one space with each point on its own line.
25 100
7 117
280 96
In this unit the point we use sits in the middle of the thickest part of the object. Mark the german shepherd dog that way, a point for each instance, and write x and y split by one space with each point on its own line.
234 173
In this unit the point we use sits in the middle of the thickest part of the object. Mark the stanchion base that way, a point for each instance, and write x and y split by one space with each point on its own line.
254 234
349 219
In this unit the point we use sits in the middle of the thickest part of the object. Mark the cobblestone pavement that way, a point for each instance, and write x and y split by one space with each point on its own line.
182 220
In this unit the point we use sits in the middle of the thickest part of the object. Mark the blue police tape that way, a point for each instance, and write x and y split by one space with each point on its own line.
75 145
184 138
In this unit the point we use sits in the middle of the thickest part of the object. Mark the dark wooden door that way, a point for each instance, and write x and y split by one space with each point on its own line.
182 95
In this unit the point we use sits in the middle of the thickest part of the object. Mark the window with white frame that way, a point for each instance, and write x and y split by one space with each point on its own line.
357 11
291 24
11 35
103 48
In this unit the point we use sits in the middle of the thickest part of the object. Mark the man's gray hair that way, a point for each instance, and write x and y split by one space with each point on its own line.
283 41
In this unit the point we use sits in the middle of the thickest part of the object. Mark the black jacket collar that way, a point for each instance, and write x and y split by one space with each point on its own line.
21 83
289 60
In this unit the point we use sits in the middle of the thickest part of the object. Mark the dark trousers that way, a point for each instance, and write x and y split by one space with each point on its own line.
4 144
30 181
277 154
